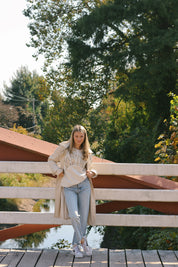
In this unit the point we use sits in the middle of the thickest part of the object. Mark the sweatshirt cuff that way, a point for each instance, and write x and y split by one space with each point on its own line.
95 173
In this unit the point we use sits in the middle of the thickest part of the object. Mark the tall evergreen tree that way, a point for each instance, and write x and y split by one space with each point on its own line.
27 92
124 47
135 42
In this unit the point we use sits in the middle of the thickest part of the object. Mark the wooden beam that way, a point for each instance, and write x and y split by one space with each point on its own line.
24 167
136 195
143 195
27 192
136 169
134 220
102 168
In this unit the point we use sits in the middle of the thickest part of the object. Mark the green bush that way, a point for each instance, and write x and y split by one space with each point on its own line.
164 239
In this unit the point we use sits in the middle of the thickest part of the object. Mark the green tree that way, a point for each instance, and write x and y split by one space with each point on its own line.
50 25
28 93
8 115
119 131
135 42
167 146
62 115
124 47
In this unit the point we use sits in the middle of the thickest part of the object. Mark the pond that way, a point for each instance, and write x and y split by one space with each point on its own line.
47 239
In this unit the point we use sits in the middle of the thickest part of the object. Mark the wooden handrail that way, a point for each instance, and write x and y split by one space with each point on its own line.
100 194
102 168
144 195
101 219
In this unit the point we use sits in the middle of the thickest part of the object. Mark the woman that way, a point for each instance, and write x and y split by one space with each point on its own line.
74 199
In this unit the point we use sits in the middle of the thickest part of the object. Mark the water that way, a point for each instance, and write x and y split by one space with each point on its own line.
52 237
64 232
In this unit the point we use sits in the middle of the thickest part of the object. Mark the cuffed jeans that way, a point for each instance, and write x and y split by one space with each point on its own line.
78 201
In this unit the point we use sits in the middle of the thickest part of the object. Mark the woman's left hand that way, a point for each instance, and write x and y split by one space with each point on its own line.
90 174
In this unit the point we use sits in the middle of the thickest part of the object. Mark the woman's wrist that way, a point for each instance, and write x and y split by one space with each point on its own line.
91 173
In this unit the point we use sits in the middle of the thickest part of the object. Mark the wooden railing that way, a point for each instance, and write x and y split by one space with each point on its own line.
144 195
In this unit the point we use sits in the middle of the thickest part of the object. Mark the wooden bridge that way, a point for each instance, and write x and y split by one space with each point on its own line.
121 185
100 258
35 221
169 196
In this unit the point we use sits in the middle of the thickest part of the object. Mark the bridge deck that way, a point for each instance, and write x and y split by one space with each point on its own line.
101 257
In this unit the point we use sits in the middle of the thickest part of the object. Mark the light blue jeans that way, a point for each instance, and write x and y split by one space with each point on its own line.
78 201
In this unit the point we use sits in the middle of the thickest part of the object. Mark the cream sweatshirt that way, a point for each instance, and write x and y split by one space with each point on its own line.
72 164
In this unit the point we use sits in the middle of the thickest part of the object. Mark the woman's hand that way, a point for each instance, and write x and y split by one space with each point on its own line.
90 174
61 174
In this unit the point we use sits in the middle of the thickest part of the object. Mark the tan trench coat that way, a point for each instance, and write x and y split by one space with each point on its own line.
60 204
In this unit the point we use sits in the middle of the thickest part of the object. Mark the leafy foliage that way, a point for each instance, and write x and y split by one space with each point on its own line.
93 48
62 115
61 244
21 130
167 147
20 179
139 237
27 93
120 131
134 42
50 24
164 239
8 205
8 115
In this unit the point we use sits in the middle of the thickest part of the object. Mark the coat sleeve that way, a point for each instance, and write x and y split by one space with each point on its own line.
55 159
90 165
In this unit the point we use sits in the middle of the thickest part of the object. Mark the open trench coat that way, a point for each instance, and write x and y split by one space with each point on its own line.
55 160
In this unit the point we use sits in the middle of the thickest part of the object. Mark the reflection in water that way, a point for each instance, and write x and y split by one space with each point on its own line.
48 238
31 240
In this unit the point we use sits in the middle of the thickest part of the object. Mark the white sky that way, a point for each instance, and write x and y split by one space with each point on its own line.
14 34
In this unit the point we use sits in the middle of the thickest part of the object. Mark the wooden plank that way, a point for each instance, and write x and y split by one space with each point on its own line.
30 258
134 258
3 253
64 258
82 262
176 253
136 169
102 168
100 258
137 220
168 258
117 258
31 218
47 258
101 219
136 195
12 258
27 192
151 258
24 167
100 194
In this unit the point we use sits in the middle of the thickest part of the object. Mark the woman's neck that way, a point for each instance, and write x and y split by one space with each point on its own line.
77 147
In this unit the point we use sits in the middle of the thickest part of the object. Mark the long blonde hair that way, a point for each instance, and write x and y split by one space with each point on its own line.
85 145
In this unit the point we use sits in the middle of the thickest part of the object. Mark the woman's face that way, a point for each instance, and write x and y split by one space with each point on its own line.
78 139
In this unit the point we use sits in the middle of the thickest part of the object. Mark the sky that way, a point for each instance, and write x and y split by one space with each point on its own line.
14 34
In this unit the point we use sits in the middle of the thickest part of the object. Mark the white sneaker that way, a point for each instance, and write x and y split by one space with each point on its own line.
86 249
77 252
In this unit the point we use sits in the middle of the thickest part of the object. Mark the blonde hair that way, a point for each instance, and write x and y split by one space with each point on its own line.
85 145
